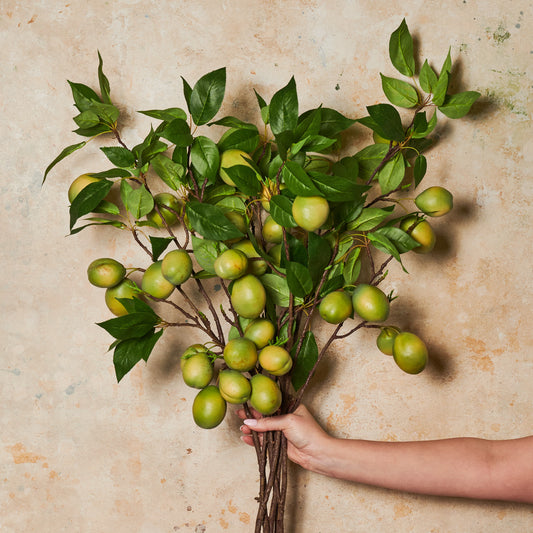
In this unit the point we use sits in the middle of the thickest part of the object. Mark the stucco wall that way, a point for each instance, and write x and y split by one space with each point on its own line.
79 452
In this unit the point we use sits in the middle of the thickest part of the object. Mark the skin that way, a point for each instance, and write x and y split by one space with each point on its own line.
457 467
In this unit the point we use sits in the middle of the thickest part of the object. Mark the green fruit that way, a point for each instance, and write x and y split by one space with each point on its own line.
421 231
231 264
164 199
231 158
154 283
275 253
410 353
335 307
233 386
105 272
266 395
260 331
240 354
191 350
197 370
275 360
435 201
237 219
78 184
370 303
248 296
176 267
209 408
385 339
125 289
310 212
256 265
272 231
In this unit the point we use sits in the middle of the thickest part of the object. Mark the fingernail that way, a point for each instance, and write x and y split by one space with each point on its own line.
250 422
242 427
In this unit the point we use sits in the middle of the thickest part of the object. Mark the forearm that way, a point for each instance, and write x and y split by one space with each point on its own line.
465 467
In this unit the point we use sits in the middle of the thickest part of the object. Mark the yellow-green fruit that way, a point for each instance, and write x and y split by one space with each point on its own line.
231 264
78 184
421 231
335 307
125 289
240 354
410 353
275 360
237 219
275 253
105 272
154 283
370 303
272 231
256 265
233 386
164 199
209 408
435 201
266 395
176 267
385 339
191 350
310 212
197 370
231 158
260 331
248 296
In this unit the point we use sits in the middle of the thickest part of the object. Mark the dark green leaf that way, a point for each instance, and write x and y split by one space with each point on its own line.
210 222
317 143
129 326
245 178
99 222
108 113
391 175
420 168
171 173
352 267
187 91
284 109
277 289
88 199
458 105
130 351
181 156
265 111
206 251
93 131
401 240
305 362
64 153
281 211
297 251
382 243
422 128
388 120
136 305
319 253
233 122
232 203
428 78
104 82
369 158
346 212
337 188
178 132
159 245
370 217
309 123
347 167
119 156
331 121
439 92
245 139
401 50
168 115
107 207
207 95
213 194
399 92
83 96
205 158
87 119
111 173
297 180
299 279
419 145
284 141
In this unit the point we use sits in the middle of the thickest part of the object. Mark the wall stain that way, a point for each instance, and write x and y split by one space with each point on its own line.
401 510
500 35
21 455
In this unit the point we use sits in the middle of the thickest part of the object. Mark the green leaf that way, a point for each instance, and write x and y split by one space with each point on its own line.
213 194
178 132
130 351
205 159
401 240
206 251
232 203
388 120
107 207
265 109
382 243
159 245
346 212
369 158
309 123
334 282
297 180
419 170
297 251
87 119
447 65
277 289
299 279
139 202
64 153
305 362
428 79
104 82
207 95
108 113
458 105
319 253
439 92
347 167
284 109
401 50
281 211
148 149
317 143
88 199
245 178
93 131
168 115
131 325
399 92
391 175
421 127
337 188
210 222
111 173
84 96
331 121
119 156
171 173
245 139
99 222
370 217
352 267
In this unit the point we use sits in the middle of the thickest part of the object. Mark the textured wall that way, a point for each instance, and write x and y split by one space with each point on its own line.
79 452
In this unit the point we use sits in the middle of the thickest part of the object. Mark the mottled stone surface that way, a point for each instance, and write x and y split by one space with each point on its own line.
79 452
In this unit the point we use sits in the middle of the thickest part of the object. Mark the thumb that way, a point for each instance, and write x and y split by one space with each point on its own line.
272 423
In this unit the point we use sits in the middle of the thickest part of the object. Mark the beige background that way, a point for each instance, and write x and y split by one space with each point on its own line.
79 452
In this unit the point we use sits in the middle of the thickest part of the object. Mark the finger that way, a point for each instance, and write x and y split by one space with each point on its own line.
247 439
272 423
245 429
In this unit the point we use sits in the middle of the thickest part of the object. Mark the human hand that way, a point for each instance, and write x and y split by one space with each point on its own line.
307 442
